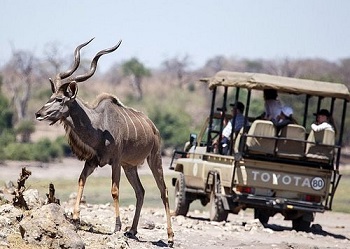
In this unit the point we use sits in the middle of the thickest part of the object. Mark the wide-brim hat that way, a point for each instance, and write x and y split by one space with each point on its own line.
323 112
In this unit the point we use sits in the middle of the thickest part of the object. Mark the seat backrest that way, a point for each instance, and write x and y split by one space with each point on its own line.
320 151
289 148
265 144
238 140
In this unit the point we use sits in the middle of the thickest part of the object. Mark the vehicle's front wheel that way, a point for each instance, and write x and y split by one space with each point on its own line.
182 205
217 211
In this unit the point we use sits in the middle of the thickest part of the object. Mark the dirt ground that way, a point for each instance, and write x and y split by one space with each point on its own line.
329 230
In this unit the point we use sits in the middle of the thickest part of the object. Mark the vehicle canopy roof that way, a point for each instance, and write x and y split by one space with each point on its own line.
260 81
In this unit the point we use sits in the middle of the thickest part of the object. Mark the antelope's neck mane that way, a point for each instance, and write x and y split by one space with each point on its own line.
101 97
82 150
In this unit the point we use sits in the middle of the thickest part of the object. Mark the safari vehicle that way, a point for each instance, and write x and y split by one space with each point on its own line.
294 173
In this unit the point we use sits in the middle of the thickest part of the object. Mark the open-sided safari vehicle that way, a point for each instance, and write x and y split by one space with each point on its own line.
294 172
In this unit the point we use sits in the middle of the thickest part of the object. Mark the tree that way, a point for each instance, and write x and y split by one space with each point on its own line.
284 67
216 64
136 71
20 74
25 128
344 71
53 59
177 67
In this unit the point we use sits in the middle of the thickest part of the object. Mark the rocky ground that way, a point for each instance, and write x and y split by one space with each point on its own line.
48 226
330 230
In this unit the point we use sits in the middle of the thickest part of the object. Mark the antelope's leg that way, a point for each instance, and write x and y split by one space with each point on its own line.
115 195
155 162
89 167
133 177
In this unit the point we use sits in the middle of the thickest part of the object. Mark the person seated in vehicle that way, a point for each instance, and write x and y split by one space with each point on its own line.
238 117
324 121
273 105
322 131
284 118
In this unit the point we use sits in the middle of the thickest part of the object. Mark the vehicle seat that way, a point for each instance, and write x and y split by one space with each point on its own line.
264 144
323 150
290 148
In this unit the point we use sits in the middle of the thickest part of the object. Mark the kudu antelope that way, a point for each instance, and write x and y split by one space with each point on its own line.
106 132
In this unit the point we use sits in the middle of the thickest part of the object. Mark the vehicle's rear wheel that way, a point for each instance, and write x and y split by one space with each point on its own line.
217 211
182 205
300 224
262 215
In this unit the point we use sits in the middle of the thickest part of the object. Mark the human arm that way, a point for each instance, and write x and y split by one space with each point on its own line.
321 127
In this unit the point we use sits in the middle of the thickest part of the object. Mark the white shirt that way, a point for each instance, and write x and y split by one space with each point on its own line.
239 122
321 127
273 108
227 130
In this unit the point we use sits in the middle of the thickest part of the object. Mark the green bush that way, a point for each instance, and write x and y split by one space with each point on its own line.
61 141
18 151
173 125
7 137
44 151
6 113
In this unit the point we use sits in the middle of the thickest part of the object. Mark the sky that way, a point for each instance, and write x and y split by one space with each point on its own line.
155 30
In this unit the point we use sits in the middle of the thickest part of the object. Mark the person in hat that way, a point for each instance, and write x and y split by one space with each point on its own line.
239 120
284 118
324 121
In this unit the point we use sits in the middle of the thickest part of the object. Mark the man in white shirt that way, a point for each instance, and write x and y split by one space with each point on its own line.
323 121
237 113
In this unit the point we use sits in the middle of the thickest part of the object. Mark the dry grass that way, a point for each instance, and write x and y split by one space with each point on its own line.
341 200
97 190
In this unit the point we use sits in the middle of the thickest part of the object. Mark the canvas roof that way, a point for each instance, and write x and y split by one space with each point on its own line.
281 84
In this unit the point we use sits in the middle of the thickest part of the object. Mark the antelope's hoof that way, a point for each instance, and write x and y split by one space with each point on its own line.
75 222
171 244
131 235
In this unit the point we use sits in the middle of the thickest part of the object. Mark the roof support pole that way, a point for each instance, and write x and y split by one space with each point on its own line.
210 128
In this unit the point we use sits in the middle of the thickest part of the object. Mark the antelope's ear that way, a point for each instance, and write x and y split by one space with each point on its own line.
72 90
52 86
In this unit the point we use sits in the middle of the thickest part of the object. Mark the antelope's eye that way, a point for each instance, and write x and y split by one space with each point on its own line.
59 99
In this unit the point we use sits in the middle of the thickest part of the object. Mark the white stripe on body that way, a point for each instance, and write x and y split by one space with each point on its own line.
127 125
132 122
141 123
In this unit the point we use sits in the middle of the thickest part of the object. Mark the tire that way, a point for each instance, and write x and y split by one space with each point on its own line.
262 215
300 224
217 211
182 205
